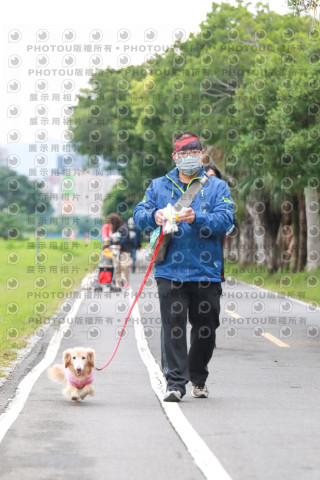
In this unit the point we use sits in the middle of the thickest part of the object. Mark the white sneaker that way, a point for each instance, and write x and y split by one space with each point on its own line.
172 396
200 392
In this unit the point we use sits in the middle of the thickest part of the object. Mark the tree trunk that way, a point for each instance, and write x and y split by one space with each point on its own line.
272 222
256 209
296 234
260 230
302 260
284 240
313 228
246 247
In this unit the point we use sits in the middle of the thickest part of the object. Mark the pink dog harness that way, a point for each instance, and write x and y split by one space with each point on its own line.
77 382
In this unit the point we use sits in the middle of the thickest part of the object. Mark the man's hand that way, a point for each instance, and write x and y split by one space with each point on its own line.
188 216
117 247
159 217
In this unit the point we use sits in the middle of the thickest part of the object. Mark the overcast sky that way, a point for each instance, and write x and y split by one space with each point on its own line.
28 26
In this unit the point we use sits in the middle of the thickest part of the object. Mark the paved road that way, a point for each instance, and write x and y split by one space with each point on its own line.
261 420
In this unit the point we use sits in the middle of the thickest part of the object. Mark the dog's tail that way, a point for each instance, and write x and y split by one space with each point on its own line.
56 373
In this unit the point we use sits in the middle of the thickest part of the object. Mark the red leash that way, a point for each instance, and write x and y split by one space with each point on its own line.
136 298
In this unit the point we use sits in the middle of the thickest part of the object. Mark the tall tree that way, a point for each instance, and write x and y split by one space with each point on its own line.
278 112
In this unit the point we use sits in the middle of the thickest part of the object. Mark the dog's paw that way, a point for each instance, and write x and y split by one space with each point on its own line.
71 393
87 390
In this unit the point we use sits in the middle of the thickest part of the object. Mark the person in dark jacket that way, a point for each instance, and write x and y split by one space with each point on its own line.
135 242
119 234
189 278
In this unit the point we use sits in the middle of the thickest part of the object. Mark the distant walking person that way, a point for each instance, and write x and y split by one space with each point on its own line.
119 234
134 240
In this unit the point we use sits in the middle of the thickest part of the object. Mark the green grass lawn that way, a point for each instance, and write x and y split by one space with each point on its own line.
304 286
33 291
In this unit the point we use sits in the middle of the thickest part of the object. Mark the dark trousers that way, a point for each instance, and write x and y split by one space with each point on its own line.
133 256
200 302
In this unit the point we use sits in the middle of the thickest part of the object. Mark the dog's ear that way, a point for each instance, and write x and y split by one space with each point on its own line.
90 354
67 358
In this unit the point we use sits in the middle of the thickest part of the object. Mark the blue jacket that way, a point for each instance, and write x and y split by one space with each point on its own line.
194 253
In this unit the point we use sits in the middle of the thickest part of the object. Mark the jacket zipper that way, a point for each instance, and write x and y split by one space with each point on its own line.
188 263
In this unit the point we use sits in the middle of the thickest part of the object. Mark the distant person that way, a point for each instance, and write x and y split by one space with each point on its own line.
213 171
105 232
134 240
119 235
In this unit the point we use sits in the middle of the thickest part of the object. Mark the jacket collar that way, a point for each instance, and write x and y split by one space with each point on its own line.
173 177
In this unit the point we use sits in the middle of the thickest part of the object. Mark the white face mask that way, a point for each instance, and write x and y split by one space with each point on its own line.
189 165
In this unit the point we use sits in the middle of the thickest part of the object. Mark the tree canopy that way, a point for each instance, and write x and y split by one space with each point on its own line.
247 84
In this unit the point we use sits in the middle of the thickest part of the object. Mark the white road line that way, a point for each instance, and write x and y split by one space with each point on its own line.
25 386
198 449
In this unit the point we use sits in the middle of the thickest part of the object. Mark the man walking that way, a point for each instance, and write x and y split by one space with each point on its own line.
189 278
